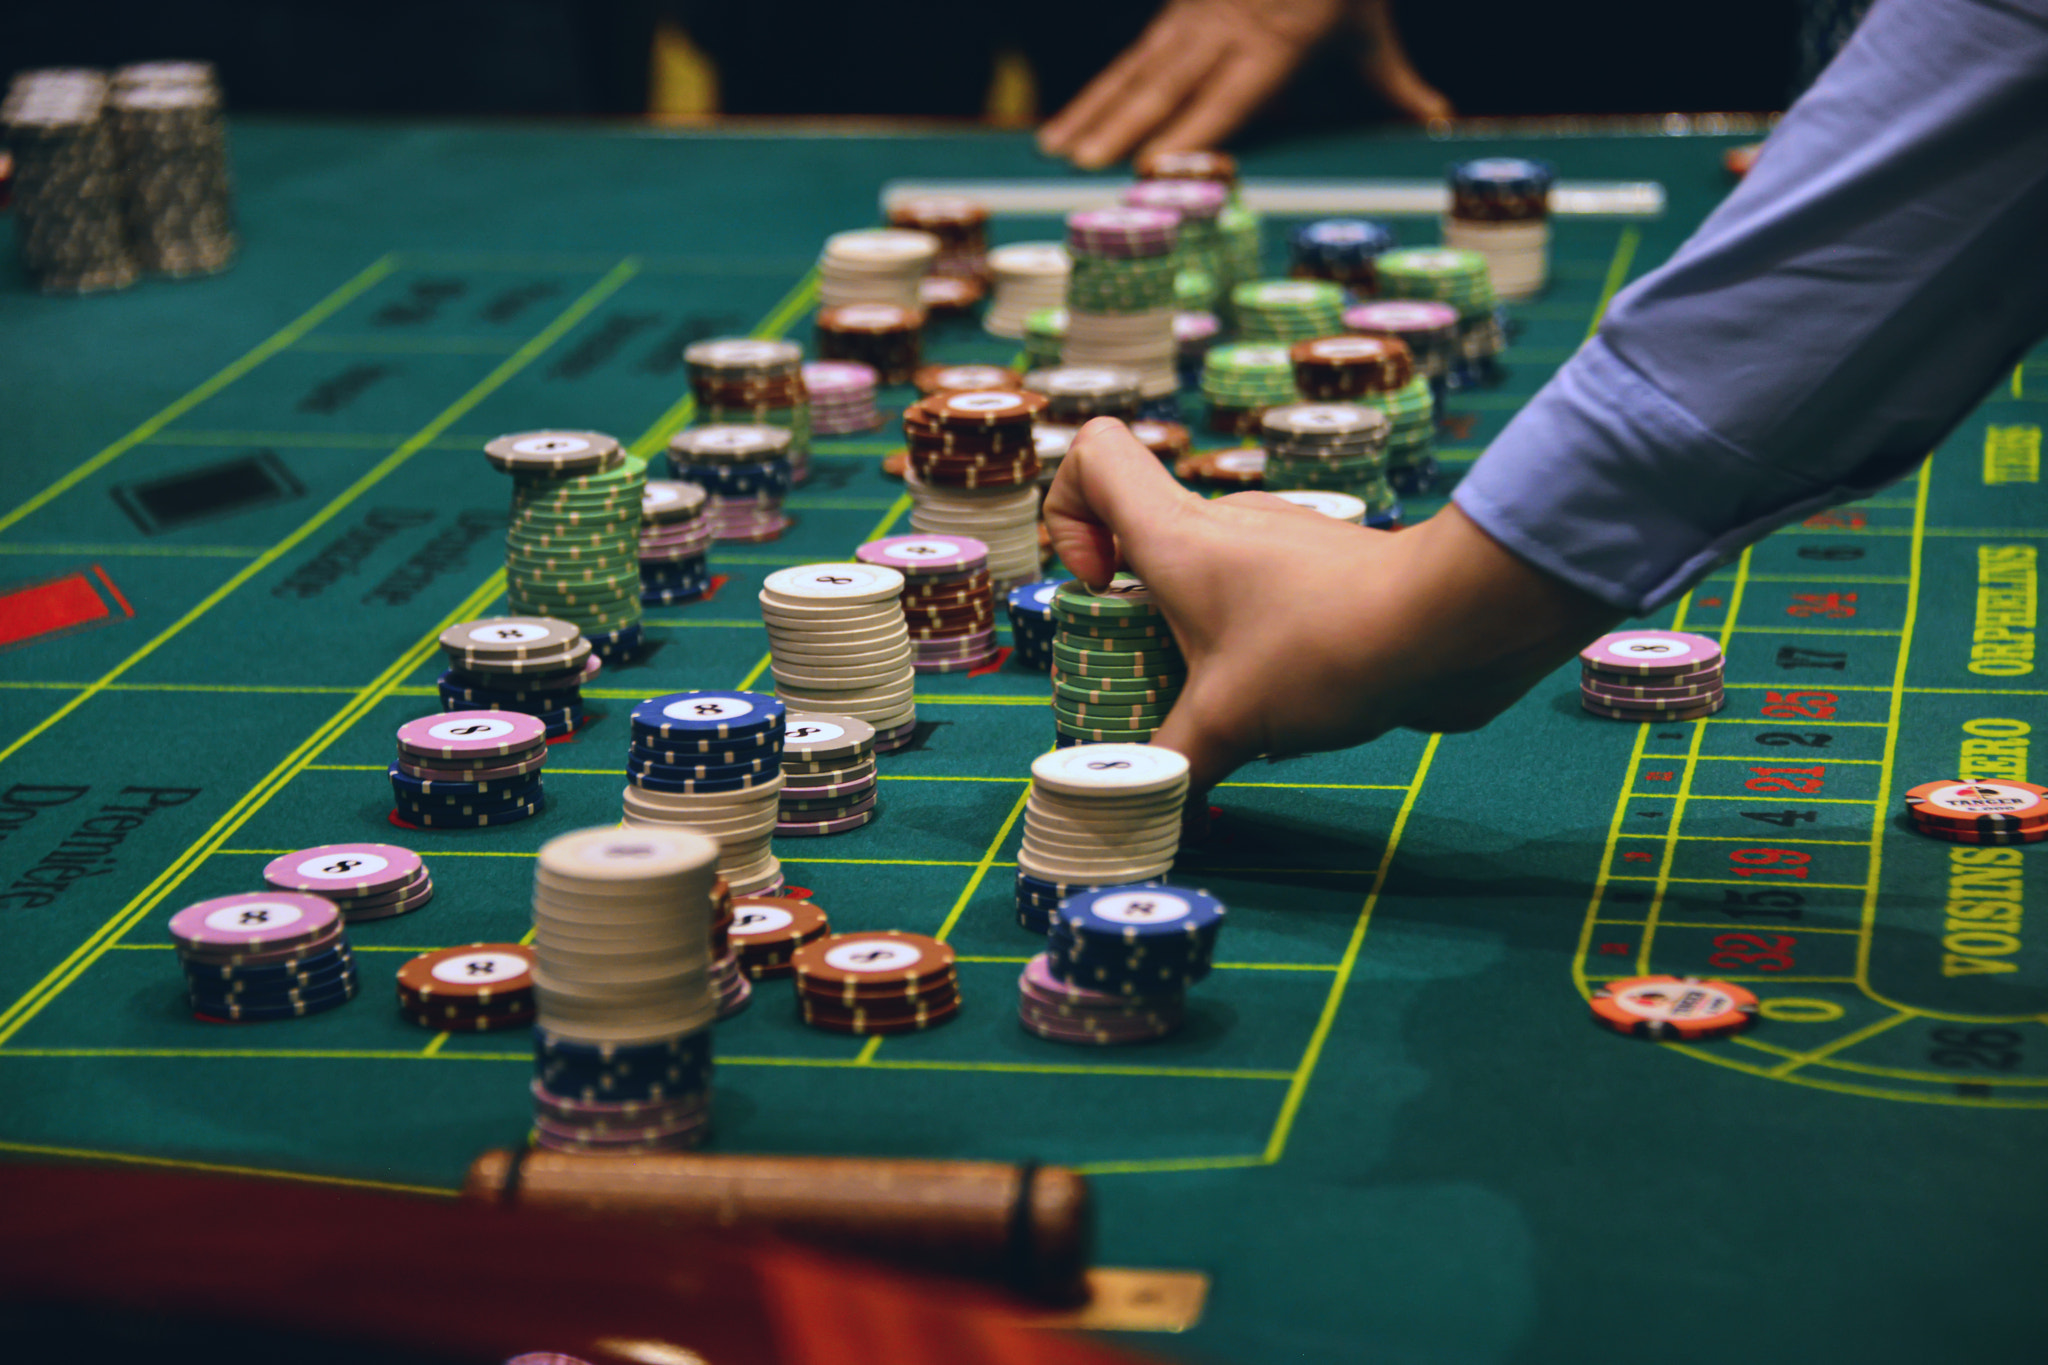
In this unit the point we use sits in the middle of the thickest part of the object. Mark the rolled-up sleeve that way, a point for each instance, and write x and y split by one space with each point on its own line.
1880 268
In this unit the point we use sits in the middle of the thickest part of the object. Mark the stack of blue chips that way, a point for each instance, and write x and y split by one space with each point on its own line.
744 471
544 681
712 762
1163 409
1039 900
263 955
675 536
621 1097
616 646
1341 250
1031 625
1150 940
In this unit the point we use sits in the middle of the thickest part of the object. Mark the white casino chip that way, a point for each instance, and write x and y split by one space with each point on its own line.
848 583
1110 770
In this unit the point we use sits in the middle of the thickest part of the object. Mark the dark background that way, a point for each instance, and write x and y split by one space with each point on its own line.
899 58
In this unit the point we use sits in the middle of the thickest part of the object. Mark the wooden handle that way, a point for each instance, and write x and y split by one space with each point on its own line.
1027 1227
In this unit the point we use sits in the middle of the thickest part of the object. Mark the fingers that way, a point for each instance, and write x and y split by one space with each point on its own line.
1228 95
1211 742
1162 87
1102 95
1388 70
1111 496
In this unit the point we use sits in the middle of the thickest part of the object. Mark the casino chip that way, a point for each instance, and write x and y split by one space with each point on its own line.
766 931
675 540
960 226
1333 448
1242 381
712 762
946 599
875 265
828 774
840 645
1651 676
886 337
1075 393
1025 278
973 470
365 881
623 978
572 542
1500 208
1340 250
754 382
1228 468
1098 815
263 955
876 983
745 469
1103 642
1427 328
1288 310
1673 1008
467 770
532 664
1460 278
1995 812
1134 941
1032 628
475 988
1121 293
1337 506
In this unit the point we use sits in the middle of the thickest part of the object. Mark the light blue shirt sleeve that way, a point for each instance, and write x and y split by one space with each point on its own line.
1879 269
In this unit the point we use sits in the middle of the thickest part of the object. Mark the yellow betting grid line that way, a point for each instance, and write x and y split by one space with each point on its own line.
482 389
1617 274
59 978
192 398
312 440
1847 1040
30 1149
135 551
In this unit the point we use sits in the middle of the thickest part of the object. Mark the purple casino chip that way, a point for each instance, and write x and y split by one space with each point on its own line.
1188 198
344 869
925 554
255 920
834 378
1400 315
471 734
1123 231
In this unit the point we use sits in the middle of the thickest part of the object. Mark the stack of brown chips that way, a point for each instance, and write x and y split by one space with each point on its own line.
474 988
884 982
749 381
766 931
960 224
1245 468
979 439
1337 369
728 979
1170 441
880 335
933 379
1220 167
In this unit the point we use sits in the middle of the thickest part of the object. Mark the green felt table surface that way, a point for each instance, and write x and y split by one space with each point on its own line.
1389 1132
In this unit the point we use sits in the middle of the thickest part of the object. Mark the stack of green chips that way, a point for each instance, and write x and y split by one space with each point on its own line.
1446 274
1412 409
572 549
1116 668
1120 284
1288 310
1195 289
1045 332
1239 227
1241 381
1334 447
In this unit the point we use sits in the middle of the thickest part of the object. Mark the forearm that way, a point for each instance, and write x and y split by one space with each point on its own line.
1850 303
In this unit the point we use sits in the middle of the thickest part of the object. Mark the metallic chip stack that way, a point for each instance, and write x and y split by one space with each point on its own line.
622 974
172 141
572 549
68 186
747 381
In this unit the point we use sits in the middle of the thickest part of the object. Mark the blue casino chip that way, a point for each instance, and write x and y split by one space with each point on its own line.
705 715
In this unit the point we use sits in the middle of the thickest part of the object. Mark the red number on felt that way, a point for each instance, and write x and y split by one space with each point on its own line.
1788 779
1769 862
1800 705
1766 953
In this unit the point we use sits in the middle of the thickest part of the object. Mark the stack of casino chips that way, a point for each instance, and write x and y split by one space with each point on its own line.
1120 296
839 646
1340 250
1170 441
1335 446
1345 507
875 265
67 183
947 601
622 979
1032 628
828 775
572 549
1241 229
1428 329
1651 675
469 769
1194 332
1220 167
728 978
712 762
1676 1009
1026 277
888 338
946 296
1288 310
675 537
746 381
1203 272
1500 208
534 664
842 397
263 955
1244 468
1116 667
745 473
1378 371
935 379
365 881
1075 393
1118 963
1460 279
767 930
1097 815
172 141
958 223
1045 336
1051 441
474 988
974 472
1241 381
875 983
1995 811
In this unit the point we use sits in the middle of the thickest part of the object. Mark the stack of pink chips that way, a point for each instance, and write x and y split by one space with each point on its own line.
948 598
1065 1013
842 397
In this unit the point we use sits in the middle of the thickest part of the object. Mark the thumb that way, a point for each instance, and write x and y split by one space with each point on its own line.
1112 494
1200 729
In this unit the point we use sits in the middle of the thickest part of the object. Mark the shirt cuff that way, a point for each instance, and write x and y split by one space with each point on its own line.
1604 481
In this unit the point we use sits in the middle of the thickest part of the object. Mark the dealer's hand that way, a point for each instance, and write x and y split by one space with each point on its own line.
1202 67
1302 632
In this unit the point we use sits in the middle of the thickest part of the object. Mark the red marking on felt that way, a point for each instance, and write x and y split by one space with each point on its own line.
46 608
108 584
718 580
1617 949
797 893
1459 424
1710 601
995 662
402 824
